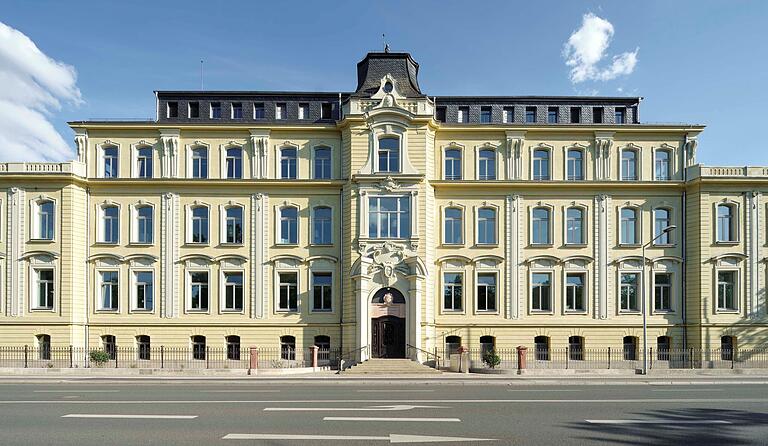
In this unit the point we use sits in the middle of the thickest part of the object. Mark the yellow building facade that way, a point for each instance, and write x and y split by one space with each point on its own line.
383 220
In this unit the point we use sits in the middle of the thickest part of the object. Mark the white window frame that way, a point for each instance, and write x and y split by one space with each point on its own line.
584 225
463 274
496 224
189 223
34 222
311 294
585 275
638 291
188 290
279 227
279 161
377 140
411 216
223 223
443 221
190 150
495 273
491 148
314 158
668 235
736 292
638 225
101 168
101 212
459 149
550 161
99 283
735 222
224 148
134 272
567 159
672 293
135 148
539 270
550 227
313 219
669 150
223 290
276 290
34 288
638 162
134 222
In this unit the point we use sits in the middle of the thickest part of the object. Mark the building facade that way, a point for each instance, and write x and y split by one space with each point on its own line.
383 218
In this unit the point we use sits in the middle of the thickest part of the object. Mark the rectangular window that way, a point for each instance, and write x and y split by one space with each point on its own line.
440 113
389 217
486 165
453 291
620 114
552 115
453 227
629 291
462 115
485 115
280 111
144 162
289 292
144 283
259 111
575 297
530 115
198 291
44 289
233 291
661 164
726 290
541 292
322 291
575 115
110 159
597 115
173 110
326 110
109 291
234 225
111 224
237 110
662 292
304 111
509 115
486 226
45 220
194 109
322 225
486 292
215 110
322 170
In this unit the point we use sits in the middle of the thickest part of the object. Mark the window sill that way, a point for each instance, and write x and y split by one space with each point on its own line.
629 312
42 240
321 311
451 312
629 245
727 242
576 245
727 311
541 245
141 244
232 311
288 245
41 310
196 244
452 245
231 245
577 312
662 312
107 311
486 245
106 243
206 311
294 311
142 311
663 245
322 245
541 312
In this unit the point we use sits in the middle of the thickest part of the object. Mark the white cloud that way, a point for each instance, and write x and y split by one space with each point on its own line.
586 48
33 86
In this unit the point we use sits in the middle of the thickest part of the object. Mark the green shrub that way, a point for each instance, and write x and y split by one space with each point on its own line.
491 359
99 357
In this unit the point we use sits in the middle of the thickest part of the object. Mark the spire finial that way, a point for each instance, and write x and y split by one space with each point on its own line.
386 45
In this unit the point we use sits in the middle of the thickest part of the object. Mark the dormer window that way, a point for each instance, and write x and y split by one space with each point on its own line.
173 110
280 111
485 115
215 110
194 109
462 115
597 115
326 110
237 110
389 155
552 115
303 111
530 115
258 111
620 115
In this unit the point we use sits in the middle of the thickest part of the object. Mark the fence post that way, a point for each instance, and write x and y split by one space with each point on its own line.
70 357
567 356
162 355
733 357
522 355
207 356
314 350
650 358
609 358
117 353
691 357
26 356
254 359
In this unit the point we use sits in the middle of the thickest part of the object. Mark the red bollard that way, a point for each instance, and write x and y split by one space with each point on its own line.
254 362
522 354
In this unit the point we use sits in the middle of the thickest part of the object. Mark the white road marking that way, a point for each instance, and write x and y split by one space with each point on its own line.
664 421
686 390
239 391
436 420
395 391
392 438
142 416
354 409
75 391
447 401
544 390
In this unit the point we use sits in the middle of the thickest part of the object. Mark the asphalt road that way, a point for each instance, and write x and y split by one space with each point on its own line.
161 412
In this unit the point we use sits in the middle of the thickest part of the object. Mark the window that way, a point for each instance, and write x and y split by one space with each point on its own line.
215 110
44 347
575 115
237 110
574 226
453 291
144 226
541 348
144 162
110 160
109 291
485 115
662 291
663 345
576 348
619 115
172 109
575 165
486 165
597 115
452 344
453 164
289 292
322 225
326 110
259 111
629 165
198 291
661 221
289 225
726 223
509 115
322 291
194 109
462 115
200 162
233 291
198 348
540 226
727 347
630 348
280 111
109 344
530 115
110 226
541 292
287 348
322 169
303 111
199 224
453 224
575 292
45 220
389 155
541 164
486 226
441 113
389 217
629 291
487 345
143 347
234 160
486 292
661 165
233 347
288 163
628 227
234 225
44 289
726 290
144 291
552 115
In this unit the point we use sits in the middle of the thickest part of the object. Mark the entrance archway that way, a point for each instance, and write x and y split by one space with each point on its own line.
388 324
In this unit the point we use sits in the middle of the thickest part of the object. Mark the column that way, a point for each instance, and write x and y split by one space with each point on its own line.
169 254
14 250
512 228
753 254
258 212
601 256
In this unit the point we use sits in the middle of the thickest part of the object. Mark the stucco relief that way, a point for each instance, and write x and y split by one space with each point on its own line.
387 258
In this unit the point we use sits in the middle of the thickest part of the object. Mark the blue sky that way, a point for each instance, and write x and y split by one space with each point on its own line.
697 61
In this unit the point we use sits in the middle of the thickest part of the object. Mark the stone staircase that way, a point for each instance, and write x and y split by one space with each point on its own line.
390 367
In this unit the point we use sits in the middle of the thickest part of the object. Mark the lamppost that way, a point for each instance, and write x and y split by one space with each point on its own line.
664 231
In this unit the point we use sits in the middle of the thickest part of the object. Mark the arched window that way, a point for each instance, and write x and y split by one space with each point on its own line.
487 344
575 165
574 226
44 347
109 344
144 224
289 225
453 226
233 347
288 162
630 348
661 221
323 344
727 348
322 225
486 226
389 155
663 345
452 344
143 347
288 348
234 162
199 224
234 225
541 164
322 167
628 234
110 224
198 347
45 219
540 226
629 165
110 162
453 164
726 223
661 165
541 348
486 165
576 348
144 162
199 163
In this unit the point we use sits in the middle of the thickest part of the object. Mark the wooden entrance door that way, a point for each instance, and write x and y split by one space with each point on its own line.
388 337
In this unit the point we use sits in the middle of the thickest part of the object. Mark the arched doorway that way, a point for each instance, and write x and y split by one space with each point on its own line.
388 324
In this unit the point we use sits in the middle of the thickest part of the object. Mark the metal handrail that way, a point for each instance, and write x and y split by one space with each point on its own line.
428 353
352 354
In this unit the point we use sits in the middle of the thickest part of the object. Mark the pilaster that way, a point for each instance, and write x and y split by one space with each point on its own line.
515 141
601 256
169 255
259 149
257 255
753 254
603 146
169 159
512 262
14 249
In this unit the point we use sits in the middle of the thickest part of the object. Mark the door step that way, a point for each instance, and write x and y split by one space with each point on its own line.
390 367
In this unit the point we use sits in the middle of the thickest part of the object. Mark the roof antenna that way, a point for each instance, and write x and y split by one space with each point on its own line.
386 45
201 74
